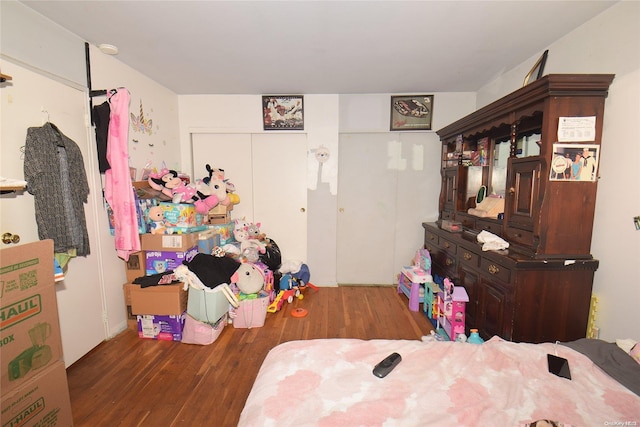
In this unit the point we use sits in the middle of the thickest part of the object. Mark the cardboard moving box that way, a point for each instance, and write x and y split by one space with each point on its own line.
29 325
136 266
41 401
169 242
162 299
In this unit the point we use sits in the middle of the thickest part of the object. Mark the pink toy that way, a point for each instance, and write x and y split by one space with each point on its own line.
168 182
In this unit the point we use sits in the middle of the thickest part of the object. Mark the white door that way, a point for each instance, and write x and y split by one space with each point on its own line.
31 99
269 172
366 210
388 185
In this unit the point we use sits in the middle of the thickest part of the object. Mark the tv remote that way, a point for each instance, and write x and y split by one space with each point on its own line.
383 368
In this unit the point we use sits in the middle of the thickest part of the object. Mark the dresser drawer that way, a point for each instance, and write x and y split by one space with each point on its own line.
493 269
491 227
468 258
520 236
430 238
447 245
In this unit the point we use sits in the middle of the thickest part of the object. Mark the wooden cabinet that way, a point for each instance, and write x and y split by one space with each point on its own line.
539 289
508 148
512 295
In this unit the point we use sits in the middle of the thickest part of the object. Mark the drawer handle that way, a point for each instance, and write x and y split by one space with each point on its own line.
449 262
493 269
447 245
432 237
467 256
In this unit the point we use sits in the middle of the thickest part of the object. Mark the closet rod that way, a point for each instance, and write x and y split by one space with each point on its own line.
101 92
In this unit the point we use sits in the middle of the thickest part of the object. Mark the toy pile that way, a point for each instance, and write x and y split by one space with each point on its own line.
201 269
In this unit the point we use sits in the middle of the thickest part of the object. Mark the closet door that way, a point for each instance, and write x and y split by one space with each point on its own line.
388 184
270 175
280 190
231 152
79 295
367 188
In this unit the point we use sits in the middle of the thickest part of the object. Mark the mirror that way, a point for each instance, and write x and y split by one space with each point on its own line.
499 172
528 145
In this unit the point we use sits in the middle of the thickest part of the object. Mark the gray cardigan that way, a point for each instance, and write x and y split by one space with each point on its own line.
55 175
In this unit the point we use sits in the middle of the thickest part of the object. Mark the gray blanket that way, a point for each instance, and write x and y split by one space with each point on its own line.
611 359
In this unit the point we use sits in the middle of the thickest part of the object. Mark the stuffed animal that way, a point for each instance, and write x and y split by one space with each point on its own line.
253 232
241 234
248 278
156 218
211 191
168 183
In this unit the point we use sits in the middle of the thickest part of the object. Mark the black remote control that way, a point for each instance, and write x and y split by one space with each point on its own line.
383 368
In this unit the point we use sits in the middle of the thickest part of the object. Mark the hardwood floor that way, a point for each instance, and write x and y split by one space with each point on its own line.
128 381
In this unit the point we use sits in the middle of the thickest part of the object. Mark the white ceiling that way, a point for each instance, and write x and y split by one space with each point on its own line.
314 47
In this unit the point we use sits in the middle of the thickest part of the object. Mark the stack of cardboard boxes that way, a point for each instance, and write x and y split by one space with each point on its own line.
33 378
158 312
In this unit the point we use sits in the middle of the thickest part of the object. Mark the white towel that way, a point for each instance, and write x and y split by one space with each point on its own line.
491 242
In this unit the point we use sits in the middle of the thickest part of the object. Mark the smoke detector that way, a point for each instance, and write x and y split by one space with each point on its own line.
108 49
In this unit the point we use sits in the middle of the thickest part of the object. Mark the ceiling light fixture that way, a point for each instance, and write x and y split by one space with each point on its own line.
108 49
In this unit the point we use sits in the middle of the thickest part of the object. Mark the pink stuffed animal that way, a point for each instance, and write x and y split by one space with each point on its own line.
168 182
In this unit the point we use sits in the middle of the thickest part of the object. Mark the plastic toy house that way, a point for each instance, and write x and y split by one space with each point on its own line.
413 280
451 303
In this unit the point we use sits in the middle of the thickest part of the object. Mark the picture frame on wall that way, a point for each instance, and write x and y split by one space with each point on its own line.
575 162
283 112
411 112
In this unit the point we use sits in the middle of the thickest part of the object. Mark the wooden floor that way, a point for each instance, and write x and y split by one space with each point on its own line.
128 381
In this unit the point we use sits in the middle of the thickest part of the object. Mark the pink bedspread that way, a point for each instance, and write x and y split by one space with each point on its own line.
329 382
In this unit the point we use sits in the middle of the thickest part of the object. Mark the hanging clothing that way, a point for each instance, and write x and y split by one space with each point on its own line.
55 175
100 117
118 186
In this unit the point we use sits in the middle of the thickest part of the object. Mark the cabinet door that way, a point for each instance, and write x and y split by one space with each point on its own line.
453 190
494 309
470 280
523 195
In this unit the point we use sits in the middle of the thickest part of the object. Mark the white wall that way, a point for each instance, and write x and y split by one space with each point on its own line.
161 144
38 44
325 117
609 43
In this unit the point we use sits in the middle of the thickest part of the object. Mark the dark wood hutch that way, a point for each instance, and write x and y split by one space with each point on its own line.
539 289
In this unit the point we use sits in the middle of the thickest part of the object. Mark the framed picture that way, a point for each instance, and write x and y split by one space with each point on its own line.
574 162
538 69
411 112
283 112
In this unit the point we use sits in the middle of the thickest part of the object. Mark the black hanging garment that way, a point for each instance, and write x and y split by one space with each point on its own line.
100 117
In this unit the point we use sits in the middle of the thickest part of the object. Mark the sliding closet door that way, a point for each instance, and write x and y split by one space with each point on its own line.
270 175
280 190
388 185
367 187
231 152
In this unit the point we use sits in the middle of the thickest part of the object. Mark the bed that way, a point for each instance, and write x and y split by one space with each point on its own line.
329 382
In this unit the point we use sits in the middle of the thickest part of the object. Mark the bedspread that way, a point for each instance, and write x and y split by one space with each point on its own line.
329 382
